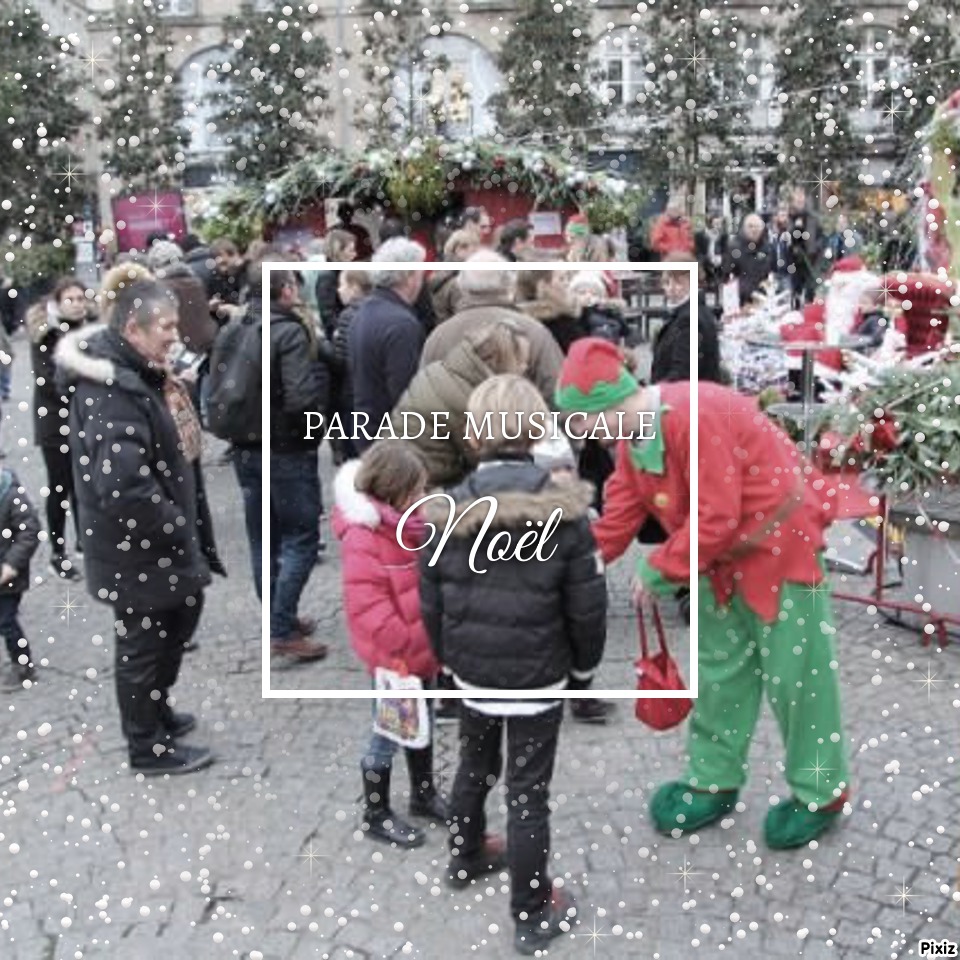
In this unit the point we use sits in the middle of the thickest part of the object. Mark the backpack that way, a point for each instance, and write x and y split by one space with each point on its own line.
234 382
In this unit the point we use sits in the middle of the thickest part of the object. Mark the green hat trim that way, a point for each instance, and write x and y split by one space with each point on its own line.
602 396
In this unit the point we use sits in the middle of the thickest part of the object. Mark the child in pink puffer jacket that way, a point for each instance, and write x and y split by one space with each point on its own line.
381 591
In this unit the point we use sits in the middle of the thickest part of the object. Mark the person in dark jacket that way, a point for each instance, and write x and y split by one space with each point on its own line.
751 258
47 321
671 348
386 337
339 246
354 287
19 519
806 248
134 443
299 384
515 240
515 626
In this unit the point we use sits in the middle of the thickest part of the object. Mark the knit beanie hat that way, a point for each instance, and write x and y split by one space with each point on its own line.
578 226
594 377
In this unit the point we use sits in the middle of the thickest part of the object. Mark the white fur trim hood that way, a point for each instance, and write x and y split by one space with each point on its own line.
71 356
355 507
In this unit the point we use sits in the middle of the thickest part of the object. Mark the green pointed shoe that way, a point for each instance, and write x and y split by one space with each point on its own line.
677 806
790 824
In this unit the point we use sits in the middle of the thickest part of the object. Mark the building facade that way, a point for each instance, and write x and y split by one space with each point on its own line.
467 46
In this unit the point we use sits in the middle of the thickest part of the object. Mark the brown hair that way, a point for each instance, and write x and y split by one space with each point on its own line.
510 400
224 247
390 471
528 283
335 242
499 345
359 279
63 285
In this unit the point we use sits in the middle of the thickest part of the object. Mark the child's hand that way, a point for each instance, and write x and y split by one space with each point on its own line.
7 573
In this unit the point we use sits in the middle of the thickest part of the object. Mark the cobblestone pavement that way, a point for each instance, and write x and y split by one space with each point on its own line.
259 857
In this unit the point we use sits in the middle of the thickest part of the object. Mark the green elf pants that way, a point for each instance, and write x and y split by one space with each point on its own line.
793 661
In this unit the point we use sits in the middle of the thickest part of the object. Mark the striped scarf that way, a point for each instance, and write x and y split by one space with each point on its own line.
184 418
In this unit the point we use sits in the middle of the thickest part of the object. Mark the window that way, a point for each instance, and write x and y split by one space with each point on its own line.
206 93
177 8
878 67
447 91
623 66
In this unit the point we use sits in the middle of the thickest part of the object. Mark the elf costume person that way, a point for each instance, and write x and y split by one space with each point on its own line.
764 604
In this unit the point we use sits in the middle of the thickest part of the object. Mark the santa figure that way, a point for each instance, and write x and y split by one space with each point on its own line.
847 309
925 300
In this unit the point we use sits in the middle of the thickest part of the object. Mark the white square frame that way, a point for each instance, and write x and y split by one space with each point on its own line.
269 693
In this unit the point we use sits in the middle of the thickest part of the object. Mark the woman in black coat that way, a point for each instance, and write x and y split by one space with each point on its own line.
67 308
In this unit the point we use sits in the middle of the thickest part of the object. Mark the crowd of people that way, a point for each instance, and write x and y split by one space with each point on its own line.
127 379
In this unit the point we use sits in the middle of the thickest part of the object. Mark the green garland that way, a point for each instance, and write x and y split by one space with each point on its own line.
907 430
420 181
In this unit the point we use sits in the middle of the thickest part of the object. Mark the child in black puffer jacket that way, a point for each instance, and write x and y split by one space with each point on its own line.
20 528
511 624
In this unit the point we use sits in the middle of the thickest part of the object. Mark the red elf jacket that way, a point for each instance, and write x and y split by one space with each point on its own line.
763 509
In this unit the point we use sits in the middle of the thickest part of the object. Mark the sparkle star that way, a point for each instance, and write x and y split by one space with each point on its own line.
818 770
94 61
821 181
685 873
156 206
903 896
891 113
70 173
67 606
696 60
594 935
310 855
928 681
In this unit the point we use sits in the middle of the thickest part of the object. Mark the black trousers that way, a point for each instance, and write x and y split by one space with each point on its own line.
147 661
60 481
531 752
10 628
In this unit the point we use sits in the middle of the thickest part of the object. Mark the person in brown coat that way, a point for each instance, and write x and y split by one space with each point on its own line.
197 327
489 296
445 387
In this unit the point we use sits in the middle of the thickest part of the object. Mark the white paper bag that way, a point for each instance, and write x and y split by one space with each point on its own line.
405 720
730 297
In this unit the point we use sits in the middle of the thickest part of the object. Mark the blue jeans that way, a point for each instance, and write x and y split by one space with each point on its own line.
248 463
294 534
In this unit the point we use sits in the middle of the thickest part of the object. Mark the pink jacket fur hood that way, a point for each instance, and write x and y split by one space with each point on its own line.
381 581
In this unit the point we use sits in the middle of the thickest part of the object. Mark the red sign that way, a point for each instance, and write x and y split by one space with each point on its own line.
137 216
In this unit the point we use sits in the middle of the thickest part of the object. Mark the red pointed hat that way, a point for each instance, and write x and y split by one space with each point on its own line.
594 377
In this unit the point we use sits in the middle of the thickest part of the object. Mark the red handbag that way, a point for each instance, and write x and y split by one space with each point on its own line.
659 672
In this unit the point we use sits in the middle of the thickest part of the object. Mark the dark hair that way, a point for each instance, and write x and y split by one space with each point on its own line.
471 215
390 471
392 227
345 211
63 285
155 237
190 242
278 278
140 301
511 232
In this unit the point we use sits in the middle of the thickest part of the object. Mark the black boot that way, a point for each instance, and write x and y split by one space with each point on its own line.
590 710
379 822
425 801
